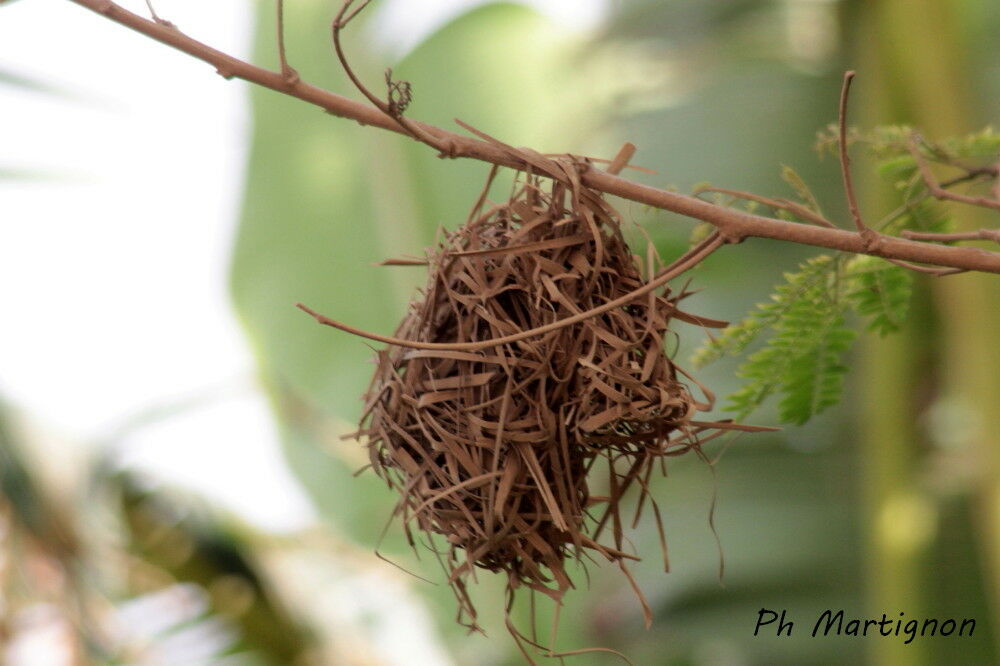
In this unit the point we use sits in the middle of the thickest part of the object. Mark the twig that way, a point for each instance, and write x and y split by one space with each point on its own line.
803 212
970 175
935 188
286 71
981 234
156 18
621 160
936 272
973 173
845 161
735 223
392 108
870 237
339 22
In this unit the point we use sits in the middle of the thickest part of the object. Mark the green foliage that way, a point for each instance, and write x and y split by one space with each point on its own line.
985 143
920 215
880 291
901 167
802 359
890 143
790 176
814 378
736 338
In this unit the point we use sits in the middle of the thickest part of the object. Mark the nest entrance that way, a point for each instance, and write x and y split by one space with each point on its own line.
492 447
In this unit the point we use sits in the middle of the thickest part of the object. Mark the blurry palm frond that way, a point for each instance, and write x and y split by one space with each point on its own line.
154 584
197 551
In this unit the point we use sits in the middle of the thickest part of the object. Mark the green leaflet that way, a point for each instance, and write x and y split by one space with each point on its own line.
897 168
791 176
891 145
921 215
802 360
737 337
880 291
984 143
814 379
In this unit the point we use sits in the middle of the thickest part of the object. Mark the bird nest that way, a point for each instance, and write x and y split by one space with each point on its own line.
521 397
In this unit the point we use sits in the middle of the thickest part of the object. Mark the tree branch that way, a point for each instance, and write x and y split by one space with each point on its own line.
734 225
156 17
287 71
937 190
845 161
980 234
800 211
398 92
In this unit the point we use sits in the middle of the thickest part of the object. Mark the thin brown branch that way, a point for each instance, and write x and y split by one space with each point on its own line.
845 160
981 234
935 187
340 21
936 272
971 174
350 17
733 223
803 212
156 17
286 71
621 160
398 92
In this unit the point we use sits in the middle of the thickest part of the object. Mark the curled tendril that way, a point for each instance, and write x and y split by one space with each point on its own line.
400 94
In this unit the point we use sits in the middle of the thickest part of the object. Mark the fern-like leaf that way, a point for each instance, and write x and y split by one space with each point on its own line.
814 378
921 215
880 292
802 360
734 339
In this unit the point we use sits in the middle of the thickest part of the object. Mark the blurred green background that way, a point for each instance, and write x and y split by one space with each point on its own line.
889 503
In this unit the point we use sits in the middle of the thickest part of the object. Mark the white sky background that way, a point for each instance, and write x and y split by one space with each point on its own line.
113 296
113 273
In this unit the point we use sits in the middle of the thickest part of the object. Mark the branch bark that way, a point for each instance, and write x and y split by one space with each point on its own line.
935 188
979 234
733 225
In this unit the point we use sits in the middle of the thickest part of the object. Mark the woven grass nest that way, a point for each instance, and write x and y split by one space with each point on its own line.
494 444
